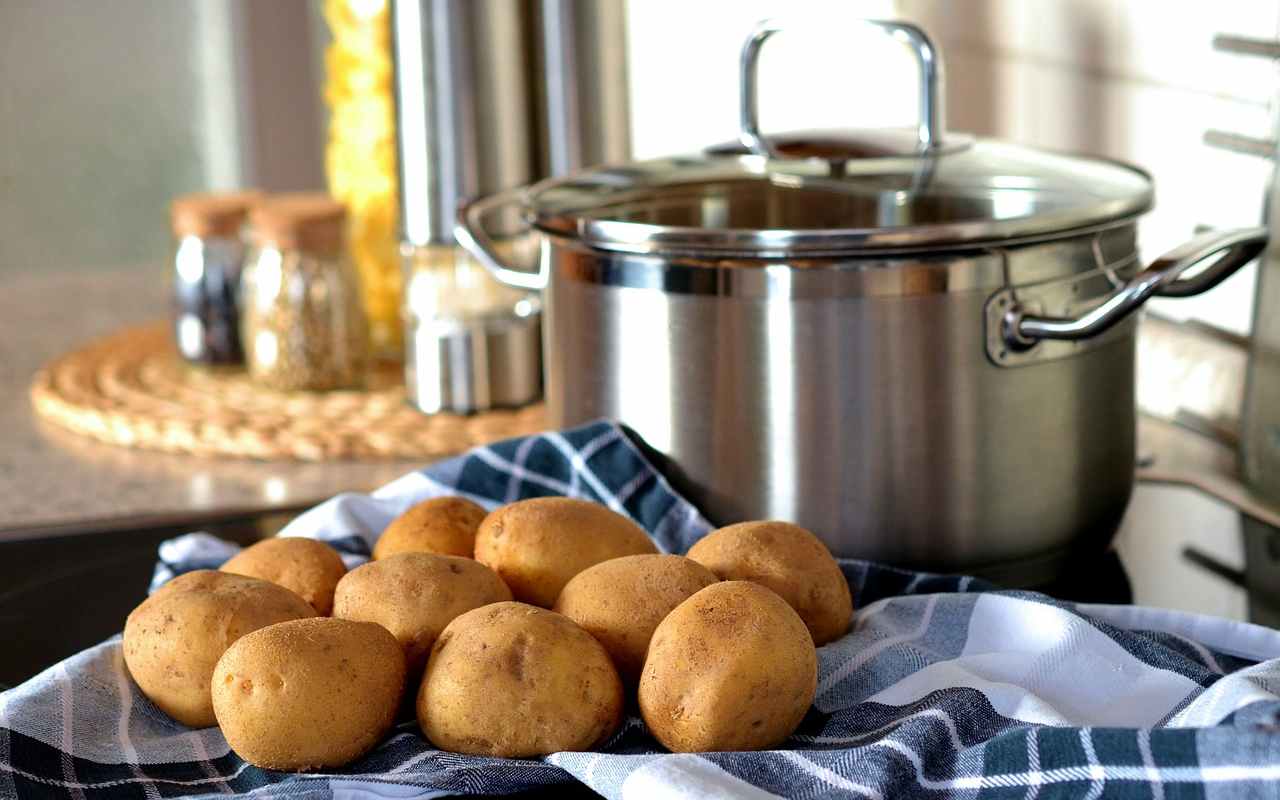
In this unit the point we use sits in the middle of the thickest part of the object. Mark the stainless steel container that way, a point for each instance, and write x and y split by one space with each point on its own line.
582 84
490 94
466 123
919 346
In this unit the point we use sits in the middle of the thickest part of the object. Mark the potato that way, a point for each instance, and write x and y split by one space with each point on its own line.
175 637
517 681
308 694
415 595
789 560
537 545
306 567
732 668
621 602
444 525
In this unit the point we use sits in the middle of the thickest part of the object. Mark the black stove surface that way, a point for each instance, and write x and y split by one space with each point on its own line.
1102 579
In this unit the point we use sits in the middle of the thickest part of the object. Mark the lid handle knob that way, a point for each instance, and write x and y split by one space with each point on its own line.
930 128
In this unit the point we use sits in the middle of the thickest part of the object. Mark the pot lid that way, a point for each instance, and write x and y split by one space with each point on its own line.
840 191
731 202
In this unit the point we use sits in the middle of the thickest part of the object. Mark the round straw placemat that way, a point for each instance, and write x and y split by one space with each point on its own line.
131 389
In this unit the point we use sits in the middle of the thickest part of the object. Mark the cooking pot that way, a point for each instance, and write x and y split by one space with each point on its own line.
919 345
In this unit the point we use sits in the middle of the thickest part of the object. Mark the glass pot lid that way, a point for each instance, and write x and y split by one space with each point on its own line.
840 192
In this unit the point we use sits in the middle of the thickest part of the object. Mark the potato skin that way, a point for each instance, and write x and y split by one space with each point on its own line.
307 567
789 560
308 694
732 668
415 595
517 681
174 638
622 600
443 525
537 545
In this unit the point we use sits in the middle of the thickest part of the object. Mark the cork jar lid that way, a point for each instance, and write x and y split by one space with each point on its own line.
212 214
310 222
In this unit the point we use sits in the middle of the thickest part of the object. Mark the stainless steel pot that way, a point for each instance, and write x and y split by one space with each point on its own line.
919 347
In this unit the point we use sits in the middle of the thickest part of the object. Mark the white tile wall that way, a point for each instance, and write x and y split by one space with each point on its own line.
1141 40
1130 79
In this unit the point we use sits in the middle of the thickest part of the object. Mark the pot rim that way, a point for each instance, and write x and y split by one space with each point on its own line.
986 194
744 257
858 275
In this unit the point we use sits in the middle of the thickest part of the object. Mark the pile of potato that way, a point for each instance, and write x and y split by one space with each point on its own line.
523 632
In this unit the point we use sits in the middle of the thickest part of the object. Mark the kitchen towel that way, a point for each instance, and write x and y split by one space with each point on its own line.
944 687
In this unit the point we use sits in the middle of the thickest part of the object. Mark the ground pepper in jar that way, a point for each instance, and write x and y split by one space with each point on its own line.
304 325
208 257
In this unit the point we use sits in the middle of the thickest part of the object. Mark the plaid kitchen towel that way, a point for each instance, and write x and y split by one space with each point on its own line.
943 688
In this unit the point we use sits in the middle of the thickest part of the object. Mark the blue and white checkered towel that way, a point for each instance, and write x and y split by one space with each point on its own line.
943 688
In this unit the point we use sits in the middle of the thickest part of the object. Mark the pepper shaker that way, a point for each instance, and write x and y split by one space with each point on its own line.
304 324
208 256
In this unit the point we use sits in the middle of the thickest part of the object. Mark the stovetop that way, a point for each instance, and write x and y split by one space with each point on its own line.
1184 549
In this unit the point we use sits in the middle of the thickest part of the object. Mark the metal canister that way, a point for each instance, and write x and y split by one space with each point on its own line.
582 84
490 94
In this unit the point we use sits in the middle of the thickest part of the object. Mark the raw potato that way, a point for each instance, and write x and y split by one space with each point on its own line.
537 545
732 668
173 640
307 567
517 681
789 560
415 595
621 602
308 694
444 525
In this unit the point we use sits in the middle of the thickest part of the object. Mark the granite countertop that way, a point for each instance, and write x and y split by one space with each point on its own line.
52 481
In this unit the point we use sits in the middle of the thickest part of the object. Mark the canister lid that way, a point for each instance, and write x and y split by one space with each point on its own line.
212 214
311 222
839 192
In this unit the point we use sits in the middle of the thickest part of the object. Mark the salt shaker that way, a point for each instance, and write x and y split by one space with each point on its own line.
471 343
208 256
304 325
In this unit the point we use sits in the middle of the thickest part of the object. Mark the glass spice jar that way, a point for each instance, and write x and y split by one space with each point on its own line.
303 322
208 256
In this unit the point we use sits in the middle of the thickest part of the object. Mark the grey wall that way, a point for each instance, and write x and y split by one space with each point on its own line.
107 110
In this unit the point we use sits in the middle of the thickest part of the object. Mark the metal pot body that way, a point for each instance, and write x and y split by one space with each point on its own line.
871 400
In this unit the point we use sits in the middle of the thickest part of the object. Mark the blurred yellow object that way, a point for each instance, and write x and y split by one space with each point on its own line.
360 159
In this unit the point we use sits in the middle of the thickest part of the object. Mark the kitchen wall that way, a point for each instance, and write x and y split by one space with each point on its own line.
831 72
107 110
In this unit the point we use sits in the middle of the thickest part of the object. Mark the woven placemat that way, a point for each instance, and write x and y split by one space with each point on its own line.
131 389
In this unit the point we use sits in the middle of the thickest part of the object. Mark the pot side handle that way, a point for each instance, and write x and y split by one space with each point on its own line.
470 232
1233 249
